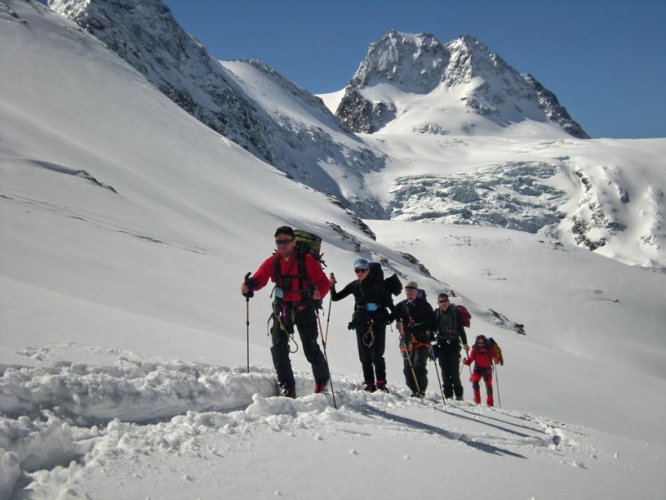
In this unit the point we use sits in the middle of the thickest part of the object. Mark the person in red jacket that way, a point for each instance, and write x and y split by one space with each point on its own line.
300 285
483 357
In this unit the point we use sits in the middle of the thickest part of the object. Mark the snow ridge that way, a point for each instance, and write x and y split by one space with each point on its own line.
78 416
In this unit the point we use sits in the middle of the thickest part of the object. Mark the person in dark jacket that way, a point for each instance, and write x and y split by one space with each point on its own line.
296 300
415 320
450 334
369 321
483 357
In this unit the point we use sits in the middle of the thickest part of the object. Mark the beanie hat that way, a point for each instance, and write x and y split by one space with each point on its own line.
412 284
361 264
285 230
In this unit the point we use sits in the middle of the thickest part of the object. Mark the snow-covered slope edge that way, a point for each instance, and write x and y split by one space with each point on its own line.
313 148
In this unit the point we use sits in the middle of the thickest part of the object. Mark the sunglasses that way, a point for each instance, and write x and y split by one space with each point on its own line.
360 270
443 301
283 242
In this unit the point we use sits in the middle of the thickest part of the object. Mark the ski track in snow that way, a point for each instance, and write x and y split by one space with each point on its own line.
107 224
79 415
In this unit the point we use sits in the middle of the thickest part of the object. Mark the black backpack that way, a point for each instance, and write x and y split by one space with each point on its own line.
392 283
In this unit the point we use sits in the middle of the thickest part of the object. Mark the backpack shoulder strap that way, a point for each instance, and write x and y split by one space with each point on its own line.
276 268
302 271
300 259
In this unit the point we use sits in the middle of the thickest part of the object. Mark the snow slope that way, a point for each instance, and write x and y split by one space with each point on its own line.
126 228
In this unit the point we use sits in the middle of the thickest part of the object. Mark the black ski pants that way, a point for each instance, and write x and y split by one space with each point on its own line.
449 361
371 344
305 320
416 360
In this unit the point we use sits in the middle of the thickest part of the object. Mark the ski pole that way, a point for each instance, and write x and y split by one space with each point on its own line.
328 318
247 295
247 331
499 399
323 342
441 390
411 367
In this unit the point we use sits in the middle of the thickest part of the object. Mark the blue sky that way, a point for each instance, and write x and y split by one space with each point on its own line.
603 59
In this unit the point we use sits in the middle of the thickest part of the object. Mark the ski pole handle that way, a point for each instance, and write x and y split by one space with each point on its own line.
249 284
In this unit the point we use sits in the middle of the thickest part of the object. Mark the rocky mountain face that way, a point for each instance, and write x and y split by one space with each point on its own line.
419 64
554 111
145 34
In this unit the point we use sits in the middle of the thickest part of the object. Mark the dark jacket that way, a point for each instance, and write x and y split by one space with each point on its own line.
418 319
371 300
449 327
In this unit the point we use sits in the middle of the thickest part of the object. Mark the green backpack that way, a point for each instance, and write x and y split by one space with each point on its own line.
307 242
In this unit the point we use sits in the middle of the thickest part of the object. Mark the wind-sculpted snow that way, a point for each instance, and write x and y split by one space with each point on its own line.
130 391
68 420
512 195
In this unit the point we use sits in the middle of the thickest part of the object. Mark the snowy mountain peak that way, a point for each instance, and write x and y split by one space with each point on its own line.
420 62
470 58
413 62
462 75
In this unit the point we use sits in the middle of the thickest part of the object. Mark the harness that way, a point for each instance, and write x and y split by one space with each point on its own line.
366 310
284 312
283 282
410 327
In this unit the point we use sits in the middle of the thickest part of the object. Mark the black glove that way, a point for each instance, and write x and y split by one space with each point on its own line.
434 351
251 284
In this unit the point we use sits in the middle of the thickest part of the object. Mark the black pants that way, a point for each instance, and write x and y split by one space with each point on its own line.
416 360
371 343
305 320
449 360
